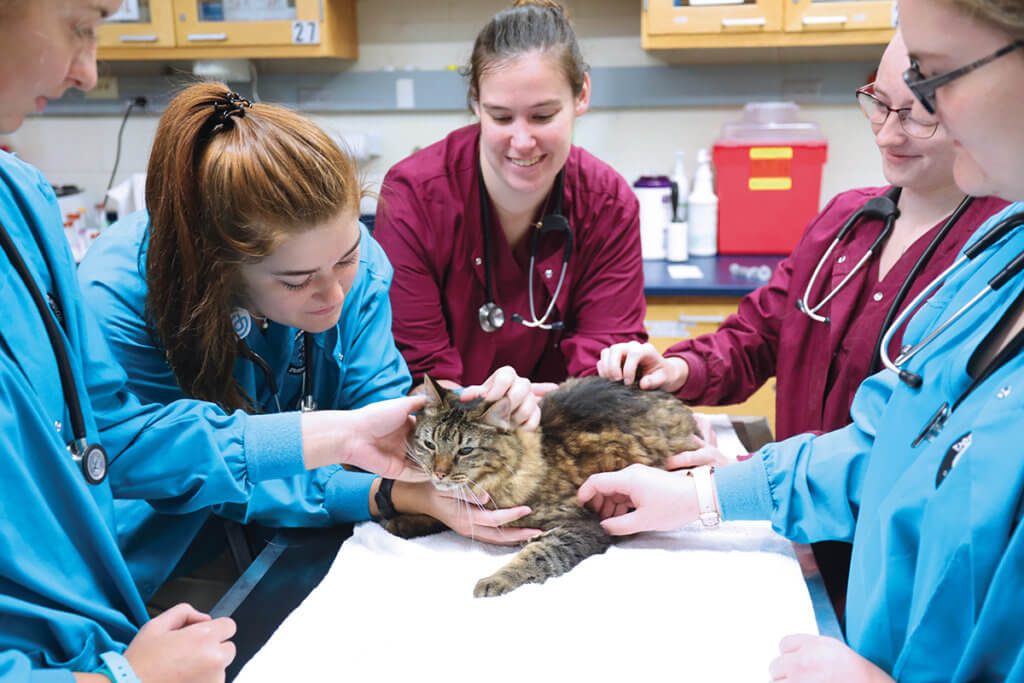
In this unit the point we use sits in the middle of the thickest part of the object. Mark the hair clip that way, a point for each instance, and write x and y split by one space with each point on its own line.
231 105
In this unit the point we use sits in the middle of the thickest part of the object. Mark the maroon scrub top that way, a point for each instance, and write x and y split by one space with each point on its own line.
428 221
818 366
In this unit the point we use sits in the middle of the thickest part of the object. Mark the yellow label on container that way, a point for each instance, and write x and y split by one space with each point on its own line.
770 184
771 152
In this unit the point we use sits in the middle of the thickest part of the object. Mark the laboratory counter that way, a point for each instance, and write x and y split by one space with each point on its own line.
725 275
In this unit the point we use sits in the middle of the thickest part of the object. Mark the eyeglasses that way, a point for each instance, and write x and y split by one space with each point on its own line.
878 112
924 88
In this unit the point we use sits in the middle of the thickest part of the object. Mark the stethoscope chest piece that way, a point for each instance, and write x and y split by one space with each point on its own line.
93 459
492 317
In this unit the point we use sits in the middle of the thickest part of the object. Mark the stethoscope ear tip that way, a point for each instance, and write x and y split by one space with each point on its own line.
911 379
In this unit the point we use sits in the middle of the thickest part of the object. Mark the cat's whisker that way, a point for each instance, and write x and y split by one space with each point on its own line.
469 513
504 464
410 453
476 499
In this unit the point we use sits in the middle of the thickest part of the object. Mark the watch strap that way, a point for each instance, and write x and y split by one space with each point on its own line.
710 515
117 668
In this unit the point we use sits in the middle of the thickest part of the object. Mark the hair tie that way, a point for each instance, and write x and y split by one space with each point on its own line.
232 104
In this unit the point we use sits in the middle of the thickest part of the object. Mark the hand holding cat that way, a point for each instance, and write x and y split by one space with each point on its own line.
468 517
620 363
659 500
372 438
818 659
523 396
707 454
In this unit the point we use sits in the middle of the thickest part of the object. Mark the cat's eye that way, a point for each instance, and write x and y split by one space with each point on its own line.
430 445
465 450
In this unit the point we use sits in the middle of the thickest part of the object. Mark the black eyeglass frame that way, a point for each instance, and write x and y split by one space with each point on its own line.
902 114
924 88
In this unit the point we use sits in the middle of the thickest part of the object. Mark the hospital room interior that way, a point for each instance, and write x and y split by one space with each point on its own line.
598 304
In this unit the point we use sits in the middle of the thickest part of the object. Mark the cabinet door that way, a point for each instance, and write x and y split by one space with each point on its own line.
671 319
246 23
681 17
839 15
139 24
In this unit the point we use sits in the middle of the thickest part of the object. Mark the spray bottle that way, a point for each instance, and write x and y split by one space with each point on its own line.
703 209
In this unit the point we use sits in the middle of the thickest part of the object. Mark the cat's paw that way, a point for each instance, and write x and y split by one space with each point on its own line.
412 526
493 586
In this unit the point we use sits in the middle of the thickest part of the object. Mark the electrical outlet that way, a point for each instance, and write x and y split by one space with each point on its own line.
106 89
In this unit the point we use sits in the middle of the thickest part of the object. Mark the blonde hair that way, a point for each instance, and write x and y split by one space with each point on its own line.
1005 15
224 189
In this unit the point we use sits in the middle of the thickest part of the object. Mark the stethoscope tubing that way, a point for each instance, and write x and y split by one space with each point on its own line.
882 207
1005 274
491 315
307 403
67 381
915 270
91 457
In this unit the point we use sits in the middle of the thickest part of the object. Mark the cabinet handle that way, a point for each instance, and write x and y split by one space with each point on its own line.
696 319
750 21
137 39
837 19
207 36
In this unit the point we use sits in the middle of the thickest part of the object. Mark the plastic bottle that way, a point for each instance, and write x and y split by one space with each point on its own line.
682 187
703 209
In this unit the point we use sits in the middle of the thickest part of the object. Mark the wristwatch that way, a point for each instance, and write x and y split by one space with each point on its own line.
710 515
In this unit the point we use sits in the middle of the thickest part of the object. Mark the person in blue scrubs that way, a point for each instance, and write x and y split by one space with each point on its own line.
261 245
933 506
69 606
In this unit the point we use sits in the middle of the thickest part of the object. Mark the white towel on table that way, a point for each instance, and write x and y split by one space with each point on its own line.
690 605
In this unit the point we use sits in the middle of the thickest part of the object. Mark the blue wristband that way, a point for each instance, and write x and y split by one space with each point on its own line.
116 668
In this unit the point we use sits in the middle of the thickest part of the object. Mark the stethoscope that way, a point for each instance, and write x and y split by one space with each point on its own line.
307 403
490 314
882 208
90 456
933 427
1009 271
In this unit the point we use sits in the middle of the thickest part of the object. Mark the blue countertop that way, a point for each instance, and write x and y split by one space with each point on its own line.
708 275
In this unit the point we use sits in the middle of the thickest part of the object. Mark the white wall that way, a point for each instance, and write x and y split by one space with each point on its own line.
431 34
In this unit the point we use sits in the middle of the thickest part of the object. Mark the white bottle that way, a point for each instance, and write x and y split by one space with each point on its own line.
703 209
682 187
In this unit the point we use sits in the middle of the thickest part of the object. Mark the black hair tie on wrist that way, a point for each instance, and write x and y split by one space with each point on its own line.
385 508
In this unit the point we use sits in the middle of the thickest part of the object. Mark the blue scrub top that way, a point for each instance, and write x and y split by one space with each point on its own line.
67 594
937 577
355 363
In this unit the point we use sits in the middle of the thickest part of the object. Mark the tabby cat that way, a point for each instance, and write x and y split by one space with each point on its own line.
587 426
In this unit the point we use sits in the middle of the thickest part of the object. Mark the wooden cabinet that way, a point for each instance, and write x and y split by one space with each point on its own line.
671 17
676 24
673 318
201 29
153 29
842 16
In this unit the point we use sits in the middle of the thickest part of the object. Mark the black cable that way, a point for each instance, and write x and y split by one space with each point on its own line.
140 101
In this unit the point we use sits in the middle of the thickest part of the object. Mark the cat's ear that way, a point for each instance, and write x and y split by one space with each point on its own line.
434 392
499 414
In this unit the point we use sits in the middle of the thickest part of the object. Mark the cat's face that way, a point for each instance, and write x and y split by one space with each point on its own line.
456 443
